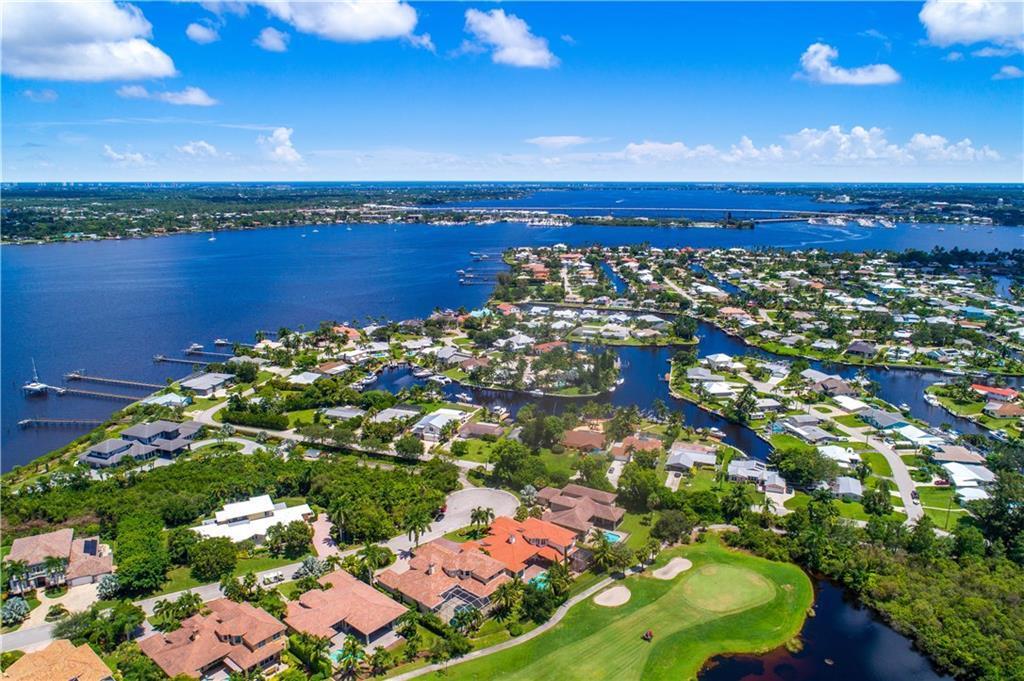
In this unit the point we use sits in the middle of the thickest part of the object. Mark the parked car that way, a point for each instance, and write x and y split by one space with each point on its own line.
273 578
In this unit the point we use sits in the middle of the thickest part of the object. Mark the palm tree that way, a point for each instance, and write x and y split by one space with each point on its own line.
508 596
651 549
312 651
601 547
736 502
481 516
559 579
374 557
352 655
54 567
17 571
415 524
767 508
380 661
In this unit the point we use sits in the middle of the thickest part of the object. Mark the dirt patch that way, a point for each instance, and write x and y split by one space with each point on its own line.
674 567
613 597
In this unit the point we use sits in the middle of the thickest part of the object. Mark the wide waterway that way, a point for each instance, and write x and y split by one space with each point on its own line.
108 307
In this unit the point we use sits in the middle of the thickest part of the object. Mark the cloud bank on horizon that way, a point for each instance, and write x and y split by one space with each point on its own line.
386 89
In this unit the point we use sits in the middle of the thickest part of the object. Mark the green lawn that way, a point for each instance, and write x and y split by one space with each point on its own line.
853 510
180 579
879 464
849 420
728 602
782 440
479 450
298 418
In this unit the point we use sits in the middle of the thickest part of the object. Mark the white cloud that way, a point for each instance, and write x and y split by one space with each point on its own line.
954 56
80 41
190 96
938 148
347 21
510 39
125 158
994 52
558 141
834 145
272 40
1008 73
818 67
278 146
198 149
40 96
202 33
952 22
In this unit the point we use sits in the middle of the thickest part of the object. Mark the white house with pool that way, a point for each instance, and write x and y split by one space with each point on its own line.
252 518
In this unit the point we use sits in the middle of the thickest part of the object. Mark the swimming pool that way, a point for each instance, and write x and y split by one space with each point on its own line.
540 581
613 537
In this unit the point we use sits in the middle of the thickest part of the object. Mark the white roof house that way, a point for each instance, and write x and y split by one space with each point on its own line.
305 378
844 456
850 404
206 384
251 519
431 425
920 437
962 475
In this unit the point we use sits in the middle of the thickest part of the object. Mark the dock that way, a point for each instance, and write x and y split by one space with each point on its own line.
175 360
189 351
94 393
28 423
82 376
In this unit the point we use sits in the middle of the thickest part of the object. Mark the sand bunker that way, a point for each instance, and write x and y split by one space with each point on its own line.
674 568
613 597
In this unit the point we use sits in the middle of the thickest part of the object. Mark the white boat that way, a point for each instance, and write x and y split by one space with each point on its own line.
348 229
931 400
464 397
222 341
316 231
816 221
836 221
34 387
887 224
716 433
440 380
370 379
193 348
942 229
212 238
421 373
865 222
535 391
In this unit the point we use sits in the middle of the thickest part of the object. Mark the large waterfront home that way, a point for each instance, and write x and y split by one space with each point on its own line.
251 519
206 384
345 606
431 426
233 637
61 660
140 442
444 576
54 559
526 548
580 508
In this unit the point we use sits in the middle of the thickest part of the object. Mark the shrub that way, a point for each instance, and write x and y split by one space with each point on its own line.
14 611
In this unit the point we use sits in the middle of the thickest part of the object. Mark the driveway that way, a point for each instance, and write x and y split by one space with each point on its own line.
248 446
75 599
460 505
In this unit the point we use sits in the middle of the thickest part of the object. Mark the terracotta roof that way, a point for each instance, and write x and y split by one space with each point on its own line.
548 347
636 444
202 639
575 507
348 600
82 564
60 661
35 549
440 566
583 439
992 390
517 543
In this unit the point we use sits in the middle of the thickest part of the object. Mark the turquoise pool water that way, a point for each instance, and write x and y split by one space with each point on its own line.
613 537
540 581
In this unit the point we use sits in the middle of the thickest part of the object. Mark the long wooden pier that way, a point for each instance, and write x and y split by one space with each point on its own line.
208 353
28 423
94 393
81 376
175 360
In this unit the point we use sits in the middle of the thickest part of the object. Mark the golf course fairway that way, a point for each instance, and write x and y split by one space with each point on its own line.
729 602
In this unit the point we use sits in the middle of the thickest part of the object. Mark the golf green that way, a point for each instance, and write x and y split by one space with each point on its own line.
729 602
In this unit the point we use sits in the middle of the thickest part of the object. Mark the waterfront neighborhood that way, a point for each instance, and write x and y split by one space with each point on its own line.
523 341
295 506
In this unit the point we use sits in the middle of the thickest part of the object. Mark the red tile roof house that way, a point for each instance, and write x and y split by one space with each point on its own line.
443 576
347 606
233 637
622 451
526 548
584 439
580 508
87 560
992 393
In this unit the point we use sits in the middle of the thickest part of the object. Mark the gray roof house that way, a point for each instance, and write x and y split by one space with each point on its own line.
847 488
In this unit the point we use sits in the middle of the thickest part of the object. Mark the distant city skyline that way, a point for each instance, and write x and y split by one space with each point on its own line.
390 90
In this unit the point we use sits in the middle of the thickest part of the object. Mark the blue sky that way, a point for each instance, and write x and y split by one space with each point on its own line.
517 91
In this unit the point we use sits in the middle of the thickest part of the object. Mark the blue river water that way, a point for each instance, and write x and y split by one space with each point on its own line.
108 307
